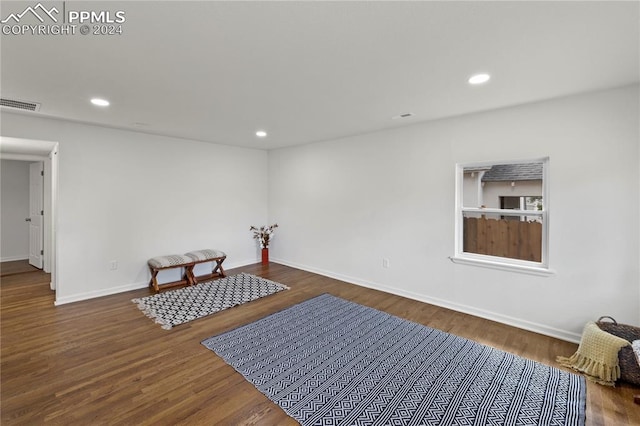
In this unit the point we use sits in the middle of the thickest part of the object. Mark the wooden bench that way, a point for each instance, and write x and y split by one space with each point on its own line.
188 262
205 256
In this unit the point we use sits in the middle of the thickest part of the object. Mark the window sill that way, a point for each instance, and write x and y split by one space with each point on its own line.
531 270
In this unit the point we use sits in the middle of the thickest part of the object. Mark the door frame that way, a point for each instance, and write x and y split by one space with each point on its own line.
45 151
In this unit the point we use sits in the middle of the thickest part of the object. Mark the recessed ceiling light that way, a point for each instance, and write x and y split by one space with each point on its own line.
261 133
100 102
479 78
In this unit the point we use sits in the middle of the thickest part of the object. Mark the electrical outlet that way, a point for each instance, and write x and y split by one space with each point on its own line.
386 263
113 265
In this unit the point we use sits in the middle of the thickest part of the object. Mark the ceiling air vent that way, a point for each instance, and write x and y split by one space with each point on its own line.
21 105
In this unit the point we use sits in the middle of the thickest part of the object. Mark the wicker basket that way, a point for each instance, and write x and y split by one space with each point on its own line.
629 368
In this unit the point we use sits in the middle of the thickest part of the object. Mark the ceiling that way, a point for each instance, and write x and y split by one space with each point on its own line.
311 71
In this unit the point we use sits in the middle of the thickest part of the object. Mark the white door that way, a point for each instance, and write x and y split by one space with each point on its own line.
35 219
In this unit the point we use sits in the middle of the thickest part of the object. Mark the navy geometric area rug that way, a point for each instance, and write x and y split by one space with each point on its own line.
328 361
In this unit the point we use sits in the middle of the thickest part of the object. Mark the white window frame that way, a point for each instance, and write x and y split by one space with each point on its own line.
497 262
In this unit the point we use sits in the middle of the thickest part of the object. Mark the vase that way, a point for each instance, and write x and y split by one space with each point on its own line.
265 256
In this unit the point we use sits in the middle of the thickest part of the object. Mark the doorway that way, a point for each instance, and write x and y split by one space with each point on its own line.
43 154
22 200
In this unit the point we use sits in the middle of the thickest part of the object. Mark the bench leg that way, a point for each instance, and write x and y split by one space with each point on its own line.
154 280
189 276
218 267
216 270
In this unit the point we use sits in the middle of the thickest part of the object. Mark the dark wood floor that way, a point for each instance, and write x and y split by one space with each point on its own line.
103 362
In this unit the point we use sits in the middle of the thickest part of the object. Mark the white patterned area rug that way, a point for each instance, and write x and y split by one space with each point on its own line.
186 304
329 361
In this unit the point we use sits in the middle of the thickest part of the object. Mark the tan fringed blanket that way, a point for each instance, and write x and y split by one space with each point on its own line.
597 355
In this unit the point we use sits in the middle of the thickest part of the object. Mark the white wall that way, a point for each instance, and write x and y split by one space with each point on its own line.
14 204
344 205
129 196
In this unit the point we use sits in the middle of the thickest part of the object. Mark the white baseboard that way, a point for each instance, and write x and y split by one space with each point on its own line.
126 287
493 316
99 293
240 264
14 258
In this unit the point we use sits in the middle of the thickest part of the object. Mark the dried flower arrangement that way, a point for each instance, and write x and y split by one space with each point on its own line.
263 234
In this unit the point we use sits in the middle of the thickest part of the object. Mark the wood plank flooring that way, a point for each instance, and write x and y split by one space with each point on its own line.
16 267
102 362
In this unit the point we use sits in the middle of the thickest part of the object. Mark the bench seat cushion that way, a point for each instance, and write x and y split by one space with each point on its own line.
169 261
204 255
